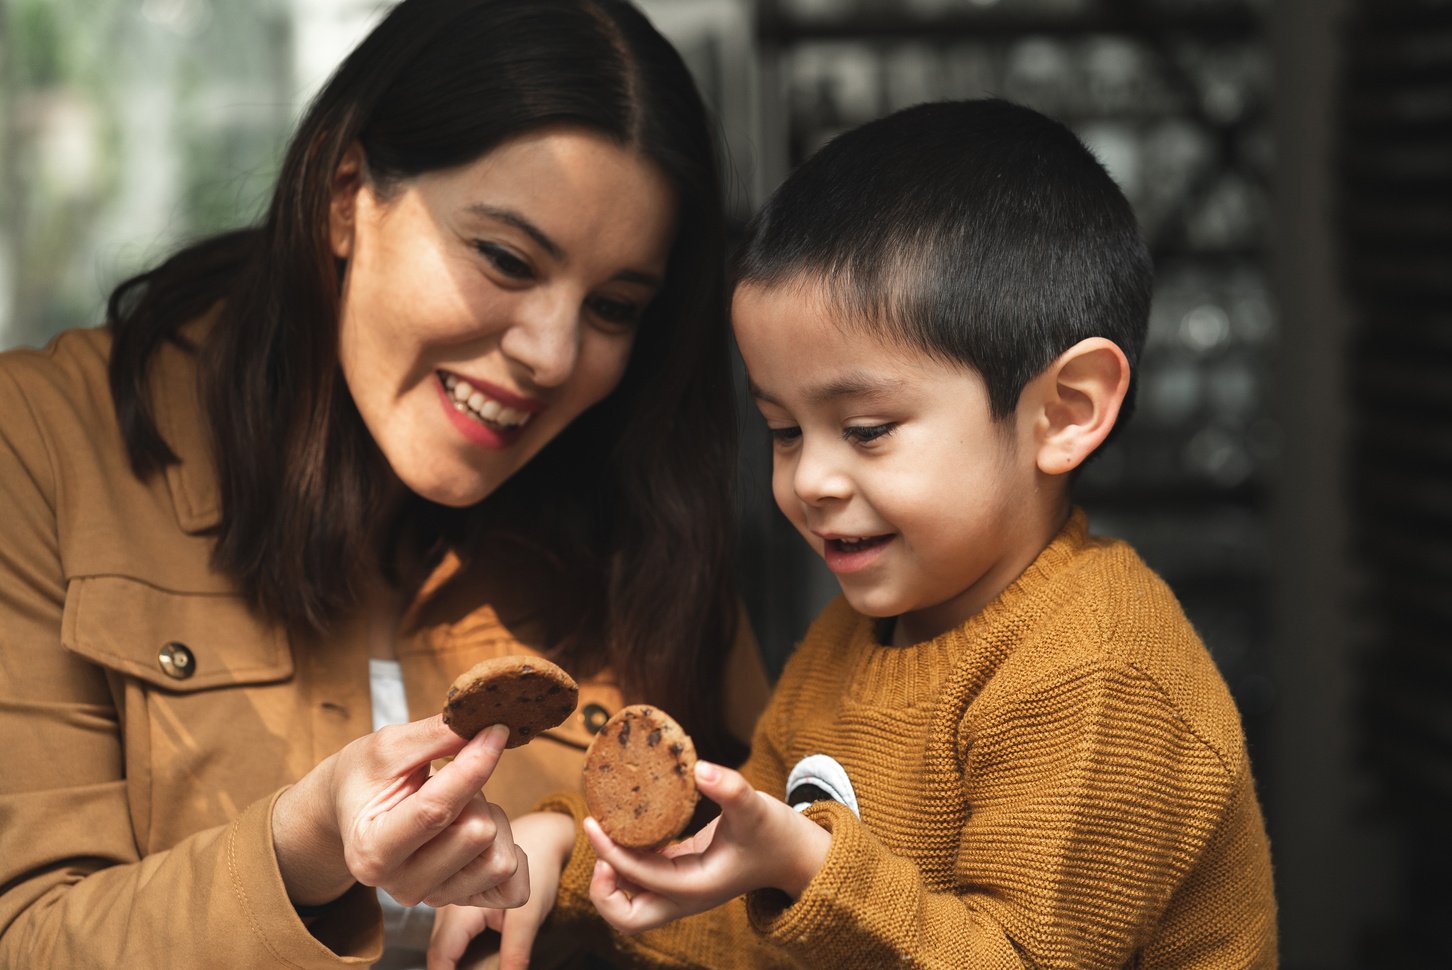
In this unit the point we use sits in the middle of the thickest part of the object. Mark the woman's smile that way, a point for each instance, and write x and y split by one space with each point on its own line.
480 417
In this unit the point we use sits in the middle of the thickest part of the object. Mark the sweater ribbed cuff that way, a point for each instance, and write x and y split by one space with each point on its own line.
799 924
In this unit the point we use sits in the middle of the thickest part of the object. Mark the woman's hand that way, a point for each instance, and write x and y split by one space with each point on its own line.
757 842
547 838
372 813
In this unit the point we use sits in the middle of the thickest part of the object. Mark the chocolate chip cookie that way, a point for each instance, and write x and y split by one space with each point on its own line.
526 694
640 777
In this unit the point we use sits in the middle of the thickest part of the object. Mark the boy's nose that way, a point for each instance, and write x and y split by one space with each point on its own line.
544 337
816 479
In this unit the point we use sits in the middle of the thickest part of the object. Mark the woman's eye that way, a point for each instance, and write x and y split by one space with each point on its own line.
620 313
505 261
865 433
784 436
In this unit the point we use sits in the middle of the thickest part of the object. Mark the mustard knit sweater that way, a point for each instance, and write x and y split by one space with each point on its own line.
1060 782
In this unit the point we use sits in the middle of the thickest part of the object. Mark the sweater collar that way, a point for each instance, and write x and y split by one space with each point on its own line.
1025 596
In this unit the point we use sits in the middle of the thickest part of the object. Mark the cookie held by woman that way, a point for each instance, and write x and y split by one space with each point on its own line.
528 695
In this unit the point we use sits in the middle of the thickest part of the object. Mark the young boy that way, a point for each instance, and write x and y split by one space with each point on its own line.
1004 745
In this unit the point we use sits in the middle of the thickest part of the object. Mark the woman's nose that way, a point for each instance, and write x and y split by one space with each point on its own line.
544 337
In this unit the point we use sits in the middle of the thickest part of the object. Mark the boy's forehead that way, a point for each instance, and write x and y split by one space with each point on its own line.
796 345
802 308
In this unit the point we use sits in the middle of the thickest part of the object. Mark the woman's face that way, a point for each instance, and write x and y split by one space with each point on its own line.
485 307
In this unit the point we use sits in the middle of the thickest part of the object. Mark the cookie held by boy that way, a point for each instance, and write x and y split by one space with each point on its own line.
640 777
528 695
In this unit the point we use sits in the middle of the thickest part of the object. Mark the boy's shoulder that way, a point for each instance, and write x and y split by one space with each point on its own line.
1107 614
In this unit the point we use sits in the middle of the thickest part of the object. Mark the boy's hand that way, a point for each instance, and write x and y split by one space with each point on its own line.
546 838
757 842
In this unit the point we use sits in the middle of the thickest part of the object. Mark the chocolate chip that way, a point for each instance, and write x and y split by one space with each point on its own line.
625 732
653 738
676 748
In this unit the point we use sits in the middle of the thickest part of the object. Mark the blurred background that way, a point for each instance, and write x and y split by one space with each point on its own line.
1289 470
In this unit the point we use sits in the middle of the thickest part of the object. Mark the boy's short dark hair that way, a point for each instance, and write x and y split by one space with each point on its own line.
977 231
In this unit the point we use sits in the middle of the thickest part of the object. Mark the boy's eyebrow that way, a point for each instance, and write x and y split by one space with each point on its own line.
519 222
854 384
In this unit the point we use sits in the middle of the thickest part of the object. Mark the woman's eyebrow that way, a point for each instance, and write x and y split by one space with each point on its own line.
556 253
519 222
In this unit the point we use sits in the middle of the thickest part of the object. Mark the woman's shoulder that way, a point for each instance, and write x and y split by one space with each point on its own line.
52 393
71 357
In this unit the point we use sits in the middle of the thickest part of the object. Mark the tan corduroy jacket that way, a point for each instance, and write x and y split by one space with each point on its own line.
148 718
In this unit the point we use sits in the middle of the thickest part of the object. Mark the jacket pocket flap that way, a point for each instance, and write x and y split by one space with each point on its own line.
177 641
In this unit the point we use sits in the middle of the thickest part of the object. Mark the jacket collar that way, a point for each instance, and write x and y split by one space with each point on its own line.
182 421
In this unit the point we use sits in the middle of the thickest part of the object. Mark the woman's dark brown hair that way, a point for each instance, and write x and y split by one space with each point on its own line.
632 503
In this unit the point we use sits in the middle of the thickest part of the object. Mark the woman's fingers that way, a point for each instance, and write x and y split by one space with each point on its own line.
395 827
476 852
499 879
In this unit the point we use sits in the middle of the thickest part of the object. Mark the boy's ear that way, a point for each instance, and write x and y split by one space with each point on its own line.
348 181
1077 401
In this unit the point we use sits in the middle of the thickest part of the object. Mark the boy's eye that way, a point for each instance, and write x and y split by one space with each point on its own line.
504 261
865 433
784 436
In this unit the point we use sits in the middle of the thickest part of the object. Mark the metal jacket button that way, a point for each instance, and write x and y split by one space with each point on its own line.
594 717
177 660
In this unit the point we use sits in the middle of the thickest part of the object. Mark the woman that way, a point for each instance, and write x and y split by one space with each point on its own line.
463 392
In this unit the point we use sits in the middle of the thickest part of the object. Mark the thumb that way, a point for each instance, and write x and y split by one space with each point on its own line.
727 788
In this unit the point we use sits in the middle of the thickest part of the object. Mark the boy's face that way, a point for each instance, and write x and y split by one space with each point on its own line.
890 464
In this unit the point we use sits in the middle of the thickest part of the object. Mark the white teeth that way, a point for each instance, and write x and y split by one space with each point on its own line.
478 405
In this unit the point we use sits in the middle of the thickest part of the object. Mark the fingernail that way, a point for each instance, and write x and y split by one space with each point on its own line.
497 735
707 772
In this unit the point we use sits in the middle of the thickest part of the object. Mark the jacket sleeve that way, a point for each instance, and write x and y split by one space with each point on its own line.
74 890
1088 803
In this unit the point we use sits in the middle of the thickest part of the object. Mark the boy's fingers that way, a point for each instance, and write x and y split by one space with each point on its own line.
696 844
619 858
516 940
611 901
626 908
725 787
451 937
633 871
